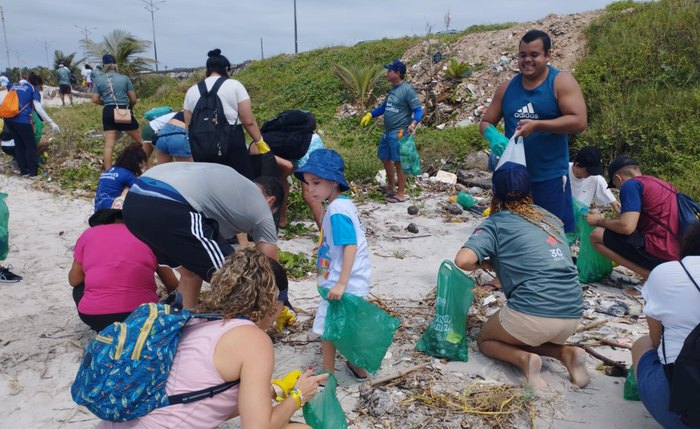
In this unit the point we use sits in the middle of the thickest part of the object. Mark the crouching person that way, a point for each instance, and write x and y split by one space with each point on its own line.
237 348
527 248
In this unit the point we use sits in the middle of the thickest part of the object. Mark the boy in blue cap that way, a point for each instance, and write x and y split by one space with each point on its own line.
343 258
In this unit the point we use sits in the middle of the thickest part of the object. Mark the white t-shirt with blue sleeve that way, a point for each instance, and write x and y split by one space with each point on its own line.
341 227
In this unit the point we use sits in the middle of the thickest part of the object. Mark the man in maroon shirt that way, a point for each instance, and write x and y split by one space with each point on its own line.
646 233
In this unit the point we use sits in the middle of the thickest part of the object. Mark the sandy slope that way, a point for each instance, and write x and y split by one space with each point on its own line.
42 339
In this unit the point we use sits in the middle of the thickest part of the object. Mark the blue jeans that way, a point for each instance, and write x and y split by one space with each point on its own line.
654 391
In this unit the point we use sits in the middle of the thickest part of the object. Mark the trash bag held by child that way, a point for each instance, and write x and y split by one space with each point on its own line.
4 230
410 161
446 336
361 331
324 410
591 265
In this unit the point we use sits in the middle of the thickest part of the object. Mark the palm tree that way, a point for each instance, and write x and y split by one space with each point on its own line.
362 82
125 48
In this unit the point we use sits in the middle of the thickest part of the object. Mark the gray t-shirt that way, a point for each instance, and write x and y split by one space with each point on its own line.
121 85
222 194
63 75
400 103
535 270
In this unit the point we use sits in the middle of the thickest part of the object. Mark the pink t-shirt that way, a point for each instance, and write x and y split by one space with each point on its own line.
118 270
193 369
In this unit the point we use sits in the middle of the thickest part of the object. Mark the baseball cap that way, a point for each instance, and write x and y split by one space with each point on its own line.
589 158
108 59
396 66
511 182
617 164
326 164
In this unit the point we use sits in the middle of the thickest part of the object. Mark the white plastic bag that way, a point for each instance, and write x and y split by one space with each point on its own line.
514 152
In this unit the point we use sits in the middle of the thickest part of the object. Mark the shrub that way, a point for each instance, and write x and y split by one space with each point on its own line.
458 70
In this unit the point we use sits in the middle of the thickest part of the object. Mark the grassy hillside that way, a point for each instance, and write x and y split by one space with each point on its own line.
641 80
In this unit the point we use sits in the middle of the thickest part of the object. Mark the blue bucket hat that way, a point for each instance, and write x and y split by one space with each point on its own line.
511 182
326 164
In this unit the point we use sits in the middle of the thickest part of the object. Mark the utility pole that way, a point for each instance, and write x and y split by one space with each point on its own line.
45 44
86 31
262 53
152 6
4 33
296 41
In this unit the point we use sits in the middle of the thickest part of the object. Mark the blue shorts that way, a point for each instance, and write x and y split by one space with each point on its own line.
388 149
172 140
654 391
555 197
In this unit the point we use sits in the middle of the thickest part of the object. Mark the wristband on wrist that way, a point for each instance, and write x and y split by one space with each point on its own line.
297 395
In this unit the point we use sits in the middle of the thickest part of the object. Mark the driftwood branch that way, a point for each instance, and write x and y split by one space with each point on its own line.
406 237
605 360
592 325
612 343
382 380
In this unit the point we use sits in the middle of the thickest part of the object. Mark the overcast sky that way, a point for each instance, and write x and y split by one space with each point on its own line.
186 30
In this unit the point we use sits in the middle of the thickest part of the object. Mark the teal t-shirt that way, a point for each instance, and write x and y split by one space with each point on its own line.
63 76
535 269
400 103
121 85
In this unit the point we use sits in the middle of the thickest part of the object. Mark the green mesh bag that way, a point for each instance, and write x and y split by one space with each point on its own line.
591 265
361 331
410 161
446 336
324 410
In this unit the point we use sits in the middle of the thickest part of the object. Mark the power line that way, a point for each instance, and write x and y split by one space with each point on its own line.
85 30
45 44
152 6
4 33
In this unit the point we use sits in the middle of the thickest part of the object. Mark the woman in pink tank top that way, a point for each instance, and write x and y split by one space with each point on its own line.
236 348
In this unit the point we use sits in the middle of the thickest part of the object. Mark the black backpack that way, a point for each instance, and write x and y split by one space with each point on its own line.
289 133
209 131
684 375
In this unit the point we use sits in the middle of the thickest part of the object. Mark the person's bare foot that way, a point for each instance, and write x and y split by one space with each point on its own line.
532 372
574 359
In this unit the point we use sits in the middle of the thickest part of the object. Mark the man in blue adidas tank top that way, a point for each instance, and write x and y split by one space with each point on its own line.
544 106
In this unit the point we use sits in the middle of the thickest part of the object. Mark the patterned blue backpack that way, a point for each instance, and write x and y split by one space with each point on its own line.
125 369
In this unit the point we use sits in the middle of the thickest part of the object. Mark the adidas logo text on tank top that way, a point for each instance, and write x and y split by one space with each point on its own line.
526 112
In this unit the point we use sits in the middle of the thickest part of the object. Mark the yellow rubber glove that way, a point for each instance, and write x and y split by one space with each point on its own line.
262 146
285 384
365 119
285 318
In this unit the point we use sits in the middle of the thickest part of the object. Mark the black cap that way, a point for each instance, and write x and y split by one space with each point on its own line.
589 158
617 164
105 217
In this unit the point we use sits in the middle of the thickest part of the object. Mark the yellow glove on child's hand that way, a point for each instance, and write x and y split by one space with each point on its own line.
262 146
286 384
365 119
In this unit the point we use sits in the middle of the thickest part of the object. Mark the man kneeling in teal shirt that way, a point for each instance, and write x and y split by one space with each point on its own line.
527 248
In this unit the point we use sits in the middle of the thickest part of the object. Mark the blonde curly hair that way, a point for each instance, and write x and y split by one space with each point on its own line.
243 286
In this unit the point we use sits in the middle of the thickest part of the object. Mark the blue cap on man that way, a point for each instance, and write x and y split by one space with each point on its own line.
396 66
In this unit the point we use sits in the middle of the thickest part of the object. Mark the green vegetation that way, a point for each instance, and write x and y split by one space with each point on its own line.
297 265
641 81
458 70
362 82
126 49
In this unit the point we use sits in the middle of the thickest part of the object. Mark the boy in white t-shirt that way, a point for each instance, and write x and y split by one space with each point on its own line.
587 182
343 258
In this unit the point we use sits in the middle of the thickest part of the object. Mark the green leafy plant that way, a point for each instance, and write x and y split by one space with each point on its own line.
458 70
298 265
362 82
295 230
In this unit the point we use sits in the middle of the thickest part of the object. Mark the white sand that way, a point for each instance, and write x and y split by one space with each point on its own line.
42 339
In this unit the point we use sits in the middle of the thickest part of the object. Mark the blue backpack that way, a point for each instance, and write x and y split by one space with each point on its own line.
126 367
